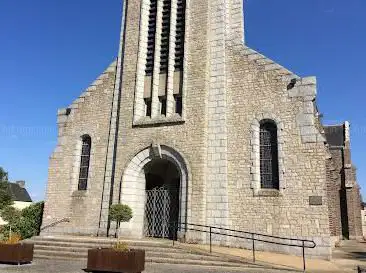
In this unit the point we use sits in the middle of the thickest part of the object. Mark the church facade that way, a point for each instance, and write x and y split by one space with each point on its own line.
190 125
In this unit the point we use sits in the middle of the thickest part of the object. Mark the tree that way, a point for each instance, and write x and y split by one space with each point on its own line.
5 197
3 175
27 223
120 213
10 213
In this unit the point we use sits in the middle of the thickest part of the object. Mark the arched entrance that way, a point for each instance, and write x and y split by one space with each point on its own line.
155 186
162 198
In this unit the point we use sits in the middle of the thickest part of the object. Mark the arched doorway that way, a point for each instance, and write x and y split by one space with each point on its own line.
162 198
164 170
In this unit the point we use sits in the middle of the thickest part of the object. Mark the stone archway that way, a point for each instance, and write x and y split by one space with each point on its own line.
133 189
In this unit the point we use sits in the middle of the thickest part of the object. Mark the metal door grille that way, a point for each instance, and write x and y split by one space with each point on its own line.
157 213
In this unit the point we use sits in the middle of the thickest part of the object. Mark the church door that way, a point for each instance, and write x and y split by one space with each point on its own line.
162 199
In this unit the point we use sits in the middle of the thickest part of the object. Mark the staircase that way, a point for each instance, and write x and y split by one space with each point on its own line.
157 251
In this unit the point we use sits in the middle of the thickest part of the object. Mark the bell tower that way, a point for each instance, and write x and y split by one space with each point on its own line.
158 94
171 67
165 36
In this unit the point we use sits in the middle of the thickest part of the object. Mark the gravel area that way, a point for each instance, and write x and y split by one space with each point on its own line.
45 266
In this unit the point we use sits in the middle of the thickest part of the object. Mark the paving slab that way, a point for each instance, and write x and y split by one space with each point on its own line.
46 266
346 258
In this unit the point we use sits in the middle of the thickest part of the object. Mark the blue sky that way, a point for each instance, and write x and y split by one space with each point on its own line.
51 50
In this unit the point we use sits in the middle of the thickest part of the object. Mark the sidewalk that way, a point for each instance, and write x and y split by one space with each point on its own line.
345 260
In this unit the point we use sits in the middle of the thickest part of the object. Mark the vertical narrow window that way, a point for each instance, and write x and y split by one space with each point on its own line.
84 163
148 102
151 38
180 33
162 105
269 155
165 32
178 104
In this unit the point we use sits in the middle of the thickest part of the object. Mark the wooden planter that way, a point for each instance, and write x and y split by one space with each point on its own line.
16 253
110 260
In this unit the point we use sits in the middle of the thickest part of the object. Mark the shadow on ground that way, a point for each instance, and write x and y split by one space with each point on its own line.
360 256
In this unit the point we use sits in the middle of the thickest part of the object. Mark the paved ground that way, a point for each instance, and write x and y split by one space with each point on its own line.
345 258
350 254
46 266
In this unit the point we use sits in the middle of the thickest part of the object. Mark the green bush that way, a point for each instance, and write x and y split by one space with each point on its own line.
27 223
9 213
120 213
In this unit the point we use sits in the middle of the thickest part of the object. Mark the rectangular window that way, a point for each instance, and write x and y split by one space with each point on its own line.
162 105
148 107
178 105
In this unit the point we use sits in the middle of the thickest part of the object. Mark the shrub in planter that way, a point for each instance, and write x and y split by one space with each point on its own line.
13 251
119 258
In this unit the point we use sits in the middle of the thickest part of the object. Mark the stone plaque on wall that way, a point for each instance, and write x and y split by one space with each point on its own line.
315 200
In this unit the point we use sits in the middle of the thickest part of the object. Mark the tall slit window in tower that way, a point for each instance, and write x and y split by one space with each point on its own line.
149 68
180 33
179 55
178 104
148 103
269 172
162 101
151 38
84 163
165 33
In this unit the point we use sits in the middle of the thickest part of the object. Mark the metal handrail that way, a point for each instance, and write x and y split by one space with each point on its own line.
302 243
64 220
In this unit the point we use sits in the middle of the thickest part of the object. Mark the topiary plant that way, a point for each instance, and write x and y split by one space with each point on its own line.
120 213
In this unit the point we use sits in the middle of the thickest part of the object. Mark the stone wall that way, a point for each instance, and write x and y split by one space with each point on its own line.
89 114
354 217
258 88
345 220
333 189
363 220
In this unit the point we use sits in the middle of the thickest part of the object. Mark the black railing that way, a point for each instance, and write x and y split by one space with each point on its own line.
254 237
64 220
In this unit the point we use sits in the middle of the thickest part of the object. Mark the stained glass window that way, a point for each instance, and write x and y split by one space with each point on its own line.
84 163
269 155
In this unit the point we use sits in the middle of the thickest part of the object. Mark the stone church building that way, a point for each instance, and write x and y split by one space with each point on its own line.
190 125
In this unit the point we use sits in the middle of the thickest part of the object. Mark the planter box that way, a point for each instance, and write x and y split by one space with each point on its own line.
16 253
110 260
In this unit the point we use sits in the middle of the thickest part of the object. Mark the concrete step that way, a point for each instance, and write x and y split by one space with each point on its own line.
149 255
99 241
85 247
157 251
160 260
